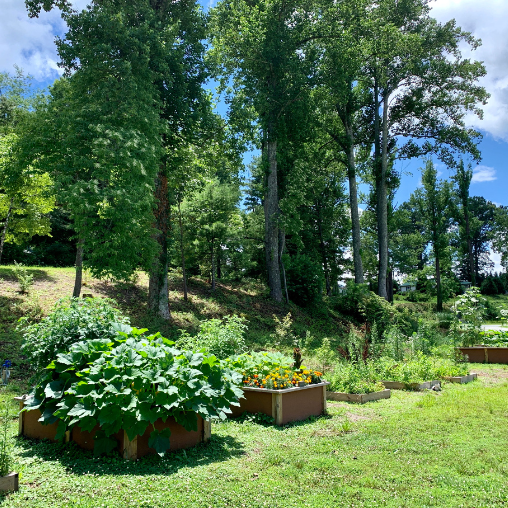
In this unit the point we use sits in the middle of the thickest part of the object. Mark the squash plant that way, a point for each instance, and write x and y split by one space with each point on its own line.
128 383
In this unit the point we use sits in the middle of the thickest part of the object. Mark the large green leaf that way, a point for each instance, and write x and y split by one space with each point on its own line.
145 412
103 444
109 414
135 427
159 440
187 419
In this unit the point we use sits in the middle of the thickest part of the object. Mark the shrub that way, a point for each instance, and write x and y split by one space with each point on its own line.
304 279
363 306
395 344
469 309
128 383
72 320
25 279
222 338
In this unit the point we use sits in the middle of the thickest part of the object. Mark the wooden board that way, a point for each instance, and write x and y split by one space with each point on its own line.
359 398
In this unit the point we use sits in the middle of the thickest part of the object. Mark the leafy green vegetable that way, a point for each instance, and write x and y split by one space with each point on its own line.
128 383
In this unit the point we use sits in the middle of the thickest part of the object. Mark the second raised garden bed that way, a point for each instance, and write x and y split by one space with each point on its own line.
284 406
360 398
30 427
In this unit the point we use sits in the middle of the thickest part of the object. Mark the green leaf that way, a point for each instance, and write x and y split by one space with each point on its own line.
187 419
88 423
109 414
145 412
48 416
137 428
159 440
103 444
60 430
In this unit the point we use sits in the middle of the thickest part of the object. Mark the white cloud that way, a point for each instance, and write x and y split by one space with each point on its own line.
483 174
487 21
30 43
496 258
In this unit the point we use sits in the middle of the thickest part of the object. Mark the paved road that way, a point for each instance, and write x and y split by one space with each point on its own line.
495 327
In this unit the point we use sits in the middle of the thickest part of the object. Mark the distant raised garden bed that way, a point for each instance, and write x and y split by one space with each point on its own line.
284 406
9 482
398 385
462 379
30 427
360 398
485 354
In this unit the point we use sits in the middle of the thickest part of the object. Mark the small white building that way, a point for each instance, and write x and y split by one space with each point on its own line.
465 285
408 286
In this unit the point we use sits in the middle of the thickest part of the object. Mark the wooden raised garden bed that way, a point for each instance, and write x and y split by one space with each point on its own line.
30 427
485 354
397 385
462 379
284 406
360 398
9 482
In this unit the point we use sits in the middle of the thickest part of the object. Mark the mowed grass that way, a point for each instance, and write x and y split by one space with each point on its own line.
417 449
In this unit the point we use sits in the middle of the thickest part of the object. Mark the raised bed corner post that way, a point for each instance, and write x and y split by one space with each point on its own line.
324 399
277 408
130 448
207 430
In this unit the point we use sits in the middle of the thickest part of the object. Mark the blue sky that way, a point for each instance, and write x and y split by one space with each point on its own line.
30 44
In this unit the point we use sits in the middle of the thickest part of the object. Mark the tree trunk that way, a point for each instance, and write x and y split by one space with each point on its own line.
158 291
438 283
382 206
355 216
389 286
469 248
182 252
323 250
213 266
282 243
271 211
79 269
4 230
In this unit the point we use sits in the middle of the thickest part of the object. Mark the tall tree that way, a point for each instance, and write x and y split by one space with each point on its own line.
26 195
265 47
422 89
342 99
462 179
211 212
26 198
434 204
144 56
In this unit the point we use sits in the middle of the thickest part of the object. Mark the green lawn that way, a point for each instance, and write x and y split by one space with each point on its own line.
447 449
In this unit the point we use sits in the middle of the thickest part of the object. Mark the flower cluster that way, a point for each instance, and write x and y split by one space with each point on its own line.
280 379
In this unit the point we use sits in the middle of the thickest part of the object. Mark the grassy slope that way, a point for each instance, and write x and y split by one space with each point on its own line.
248 299
447 449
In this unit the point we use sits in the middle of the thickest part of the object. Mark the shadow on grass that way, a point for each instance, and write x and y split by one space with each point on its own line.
267 421
39 274
78 461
